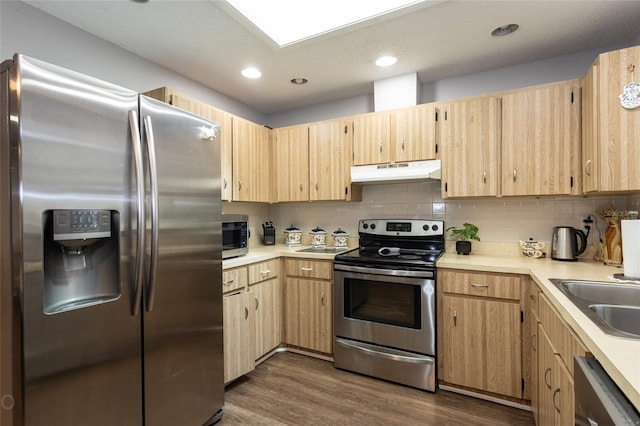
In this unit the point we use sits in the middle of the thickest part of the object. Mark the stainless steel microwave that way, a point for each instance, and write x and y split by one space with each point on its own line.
235 235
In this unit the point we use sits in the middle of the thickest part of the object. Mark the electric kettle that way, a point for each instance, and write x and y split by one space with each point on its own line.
567 243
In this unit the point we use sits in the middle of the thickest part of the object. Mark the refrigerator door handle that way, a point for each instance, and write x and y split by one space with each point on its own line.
139 171
153 184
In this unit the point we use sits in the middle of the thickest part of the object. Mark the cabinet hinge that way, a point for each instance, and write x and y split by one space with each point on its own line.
521 316
436 115
346 129
571 97
446 187
571 181
170 99
445 116
522 384
346 190
436 148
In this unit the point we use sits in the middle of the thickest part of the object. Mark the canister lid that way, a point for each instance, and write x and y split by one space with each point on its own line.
339 232
292 229
318 230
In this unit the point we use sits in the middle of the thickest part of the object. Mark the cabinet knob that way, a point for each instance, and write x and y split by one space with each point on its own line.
546 382
246 312
239 185
533 341
307 269
455 318
587 167
227 282
380 145
479 285
402 144
322 299
555 405
257 303
484 176
265 272
224 180
515 175
300 186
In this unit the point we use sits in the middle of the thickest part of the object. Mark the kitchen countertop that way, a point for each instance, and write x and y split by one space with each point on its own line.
619 357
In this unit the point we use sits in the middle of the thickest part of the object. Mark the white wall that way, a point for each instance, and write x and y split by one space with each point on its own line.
25 29
538 72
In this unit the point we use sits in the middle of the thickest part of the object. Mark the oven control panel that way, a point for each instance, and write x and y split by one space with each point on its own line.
402 227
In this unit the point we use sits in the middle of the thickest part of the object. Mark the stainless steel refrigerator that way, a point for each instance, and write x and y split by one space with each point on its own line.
111 304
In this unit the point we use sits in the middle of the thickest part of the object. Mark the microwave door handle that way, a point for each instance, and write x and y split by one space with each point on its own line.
153 184
140 227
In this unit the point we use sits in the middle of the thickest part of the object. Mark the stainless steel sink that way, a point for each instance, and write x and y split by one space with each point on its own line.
607 293
623 318
615 308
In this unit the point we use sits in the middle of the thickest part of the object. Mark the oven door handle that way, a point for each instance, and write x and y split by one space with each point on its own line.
381 352
379 271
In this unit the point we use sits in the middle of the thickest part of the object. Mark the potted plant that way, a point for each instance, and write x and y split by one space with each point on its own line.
468 232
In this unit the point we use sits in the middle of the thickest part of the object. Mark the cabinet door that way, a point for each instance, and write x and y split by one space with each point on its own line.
619 128
541 140
238 334
371 138
226 151
482 344
308 314
414 133
291 147
533 346
470 147
546 379
268 316
563 396
328 162
251 161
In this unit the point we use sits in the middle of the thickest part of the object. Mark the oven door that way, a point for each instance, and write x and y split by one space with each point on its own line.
376 306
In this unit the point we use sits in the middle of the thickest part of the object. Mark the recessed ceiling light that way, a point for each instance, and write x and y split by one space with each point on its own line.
251 72
385 61
504 30
299 80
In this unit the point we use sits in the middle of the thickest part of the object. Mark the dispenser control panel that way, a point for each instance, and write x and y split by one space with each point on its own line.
81 224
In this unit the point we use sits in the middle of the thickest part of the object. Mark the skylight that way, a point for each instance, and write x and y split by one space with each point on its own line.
290 21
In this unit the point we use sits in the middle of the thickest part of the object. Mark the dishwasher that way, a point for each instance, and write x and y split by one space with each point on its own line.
598 400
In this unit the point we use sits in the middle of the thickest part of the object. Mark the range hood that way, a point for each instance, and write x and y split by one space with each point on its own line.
396 172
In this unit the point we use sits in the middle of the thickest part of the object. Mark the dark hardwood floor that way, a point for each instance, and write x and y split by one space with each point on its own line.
293 389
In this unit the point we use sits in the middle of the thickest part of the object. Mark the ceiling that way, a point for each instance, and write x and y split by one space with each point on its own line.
210 43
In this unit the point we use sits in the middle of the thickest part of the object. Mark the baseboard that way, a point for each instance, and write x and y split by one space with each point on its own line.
486 397
293 350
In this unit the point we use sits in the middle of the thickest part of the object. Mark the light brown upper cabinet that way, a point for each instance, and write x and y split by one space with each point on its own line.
251 161
414 133
291 145
470 140
329 161
168 95
371 138
541 140
611 152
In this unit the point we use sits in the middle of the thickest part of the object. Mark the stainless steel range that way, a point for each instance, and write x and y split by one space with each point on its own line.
385 301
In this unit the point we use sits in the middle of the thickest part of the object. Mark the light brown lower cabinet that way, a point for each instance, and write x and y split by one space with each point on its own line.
554 345
480 332
268 316
239 327
308 304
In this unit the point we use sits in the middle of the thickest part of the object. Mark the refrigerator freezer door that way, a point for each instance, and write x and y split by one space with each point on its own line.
183 373
71 151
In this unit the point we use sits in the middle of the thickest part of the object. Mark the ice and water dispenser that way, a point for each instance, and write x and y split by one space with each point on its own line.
81 259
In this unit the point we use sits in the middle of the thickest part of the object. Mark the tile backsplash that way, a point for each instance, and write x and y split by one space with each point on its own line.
504 219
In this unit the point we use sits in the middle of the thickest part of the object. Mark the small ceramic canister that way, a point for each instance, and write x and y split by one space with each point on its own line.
318 237
340 238
292 236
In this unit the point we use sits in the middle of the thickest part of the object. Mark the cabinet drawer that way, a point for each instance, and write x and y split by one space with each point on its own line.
500 286
234 279
264 271
310 268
